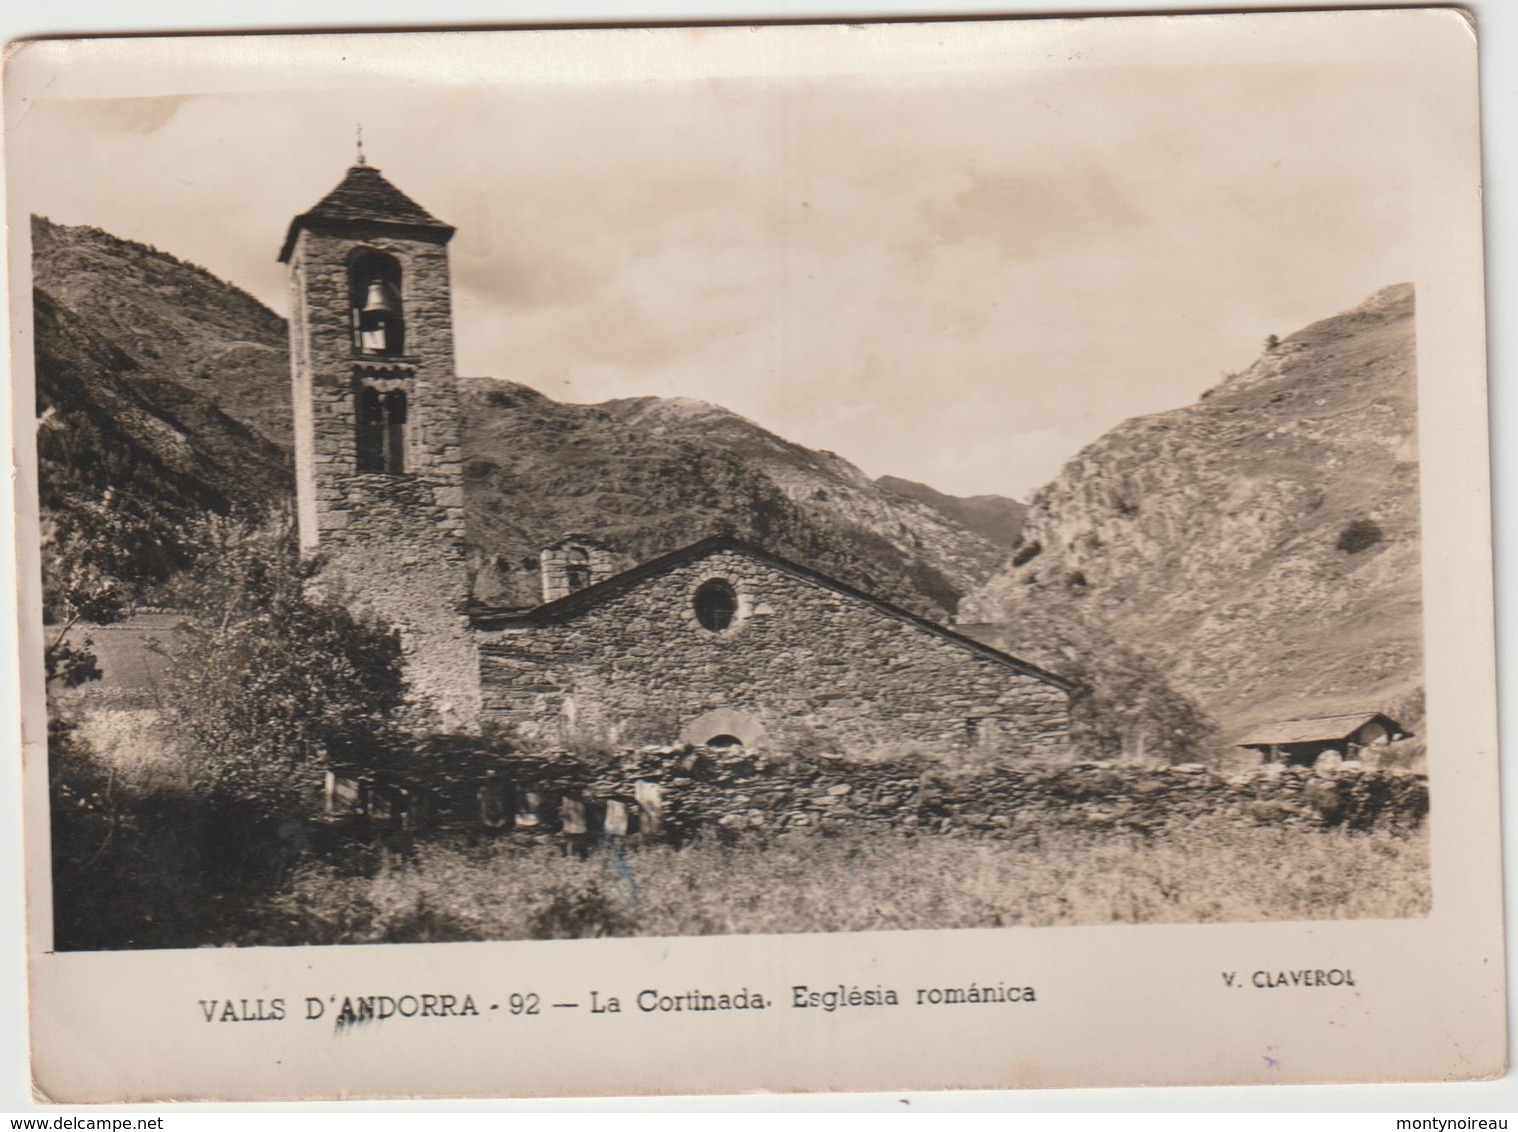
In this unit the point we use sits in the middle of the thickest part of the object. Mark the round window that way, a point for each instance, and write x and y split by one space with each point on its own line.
716 605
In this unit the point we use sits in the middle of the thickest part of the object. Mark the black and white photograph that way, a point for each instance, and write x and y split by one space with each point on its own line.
760 482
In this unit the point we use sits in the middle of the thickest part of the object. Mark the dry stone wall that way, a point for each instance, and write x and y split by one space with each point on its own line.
700 788
800 659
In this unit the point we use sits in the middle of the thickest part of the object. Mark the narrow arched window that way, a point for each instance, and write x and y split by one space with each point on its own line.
716 604
395 433
577 568
381 426
374 290
371 430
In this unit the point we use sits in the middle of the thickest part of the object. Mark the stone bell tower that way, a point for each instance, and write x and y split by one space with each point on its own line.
378 463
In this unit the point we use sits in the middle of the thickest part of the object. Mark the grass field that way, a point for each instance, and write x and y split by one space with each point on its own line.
142 860
508 889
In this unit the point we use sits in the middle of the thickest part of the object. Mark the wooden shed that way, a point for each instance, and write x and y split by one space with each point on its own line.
1299 742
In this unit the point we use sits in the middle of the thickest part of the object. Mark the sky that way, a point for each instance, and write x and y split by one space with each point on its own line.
958 277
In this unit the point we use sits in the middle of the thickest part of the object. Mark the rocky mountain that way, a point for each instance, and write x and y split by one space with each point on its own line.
995 518
1262 544
206 366
646 476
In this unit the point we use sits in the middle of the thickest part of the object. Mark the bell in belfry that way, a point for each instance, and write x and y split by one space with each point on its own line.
380 320
381 300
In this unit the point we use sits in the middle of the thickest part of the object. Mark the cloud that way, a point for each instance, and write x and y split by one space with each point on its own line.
139 116
1028 213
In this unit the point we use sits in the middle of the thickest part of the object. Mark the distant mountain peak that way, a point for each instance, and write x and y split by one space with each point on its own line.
995 518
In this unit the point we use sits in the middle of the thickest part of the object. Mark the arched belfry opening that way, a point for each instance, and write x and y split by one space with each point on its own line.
381 421
572 564
374 297
577 567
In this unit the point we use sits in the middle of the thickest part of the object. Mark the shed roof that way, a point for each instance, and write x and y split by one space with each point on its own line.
565 608
1317 729
364 196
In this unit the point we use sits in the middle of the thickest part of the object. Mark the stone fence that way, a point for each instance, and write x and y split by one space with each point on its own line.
674 792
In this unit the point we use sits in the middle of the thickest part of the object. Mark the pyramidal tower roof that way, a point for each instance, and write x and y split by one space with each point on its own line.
363 197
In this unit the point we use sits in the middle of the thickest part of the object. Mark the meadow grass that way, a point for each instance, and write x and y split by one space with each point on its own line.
515 888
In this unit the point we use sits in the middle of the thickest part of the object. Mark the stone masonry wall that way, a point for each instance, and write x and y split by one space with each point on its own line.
711 789
740 791
394 545
801 659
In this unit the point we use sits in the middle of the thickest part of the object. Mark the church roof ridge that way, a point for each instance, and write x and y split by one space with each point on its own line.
592 595
363 196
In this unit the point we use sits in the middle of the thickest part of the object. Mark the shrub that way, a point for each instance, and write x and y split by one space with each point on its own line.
271 679
1403 754
579 908
1409 709
795 738
1026 552
80 582
1121 704
134 855
1360 535
478 470
906 752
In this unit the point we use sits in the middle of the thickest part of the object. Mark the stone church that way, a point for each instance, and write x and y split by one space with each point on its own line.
719 642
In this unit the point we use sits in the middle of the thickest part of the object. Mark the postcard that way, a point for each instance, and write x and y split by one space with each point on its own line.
887 556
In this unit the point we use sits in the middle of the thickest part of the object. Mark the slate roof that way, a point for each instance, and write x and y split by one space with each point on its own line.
566 608
364 196
1319 729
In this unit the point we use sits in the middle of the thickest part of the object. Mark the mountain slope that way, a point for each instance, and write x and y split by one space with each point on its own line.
177 322
825 486
128 460
537 469
1263 544
995 518
645 475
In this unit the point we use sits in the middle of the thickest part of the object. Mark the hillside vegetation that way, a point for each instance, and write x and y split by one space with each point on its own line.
645 475
176 321
127 459
993 517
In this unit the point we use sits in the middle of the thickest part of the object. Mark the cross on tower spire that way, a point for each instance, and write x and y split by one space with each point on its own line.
361 159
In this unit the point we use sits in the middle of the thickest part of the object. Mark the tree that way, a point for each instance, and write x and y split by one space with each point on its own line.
1121 705
77 585
1124 704
270 677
